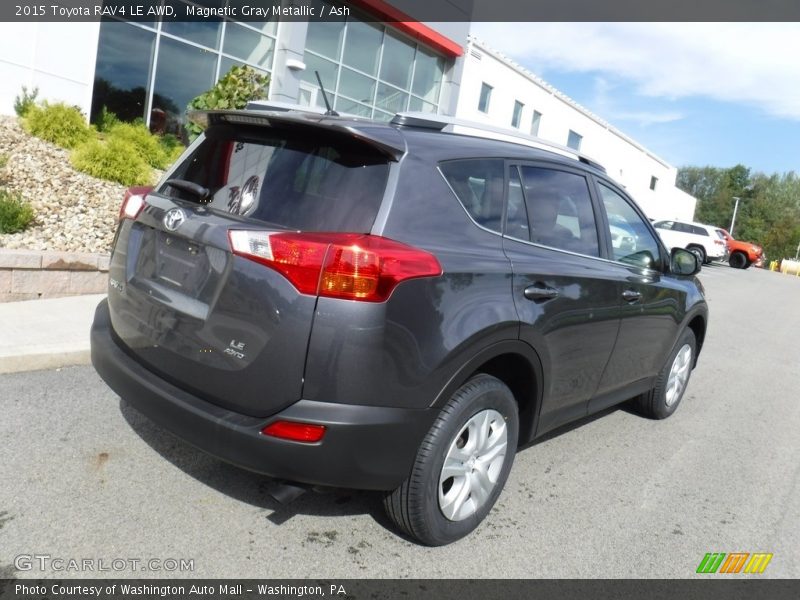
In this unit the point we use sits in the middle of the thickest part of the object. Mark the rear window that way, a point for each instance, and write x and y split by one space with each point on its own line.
478 184
297 178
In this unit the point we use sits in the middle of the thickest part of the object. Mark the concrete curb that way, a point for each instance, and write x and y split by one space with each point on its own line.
46 334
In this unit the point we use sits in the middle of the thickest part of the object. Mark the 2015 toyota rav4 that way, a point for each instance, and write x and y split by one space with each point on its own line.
389 306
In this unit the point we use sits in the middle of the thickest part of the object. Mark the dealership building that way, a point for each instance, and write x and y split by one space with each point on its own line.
374 63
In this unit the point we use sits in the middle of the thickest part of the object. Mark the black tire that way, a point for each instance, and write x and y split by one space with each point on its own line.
738 260
748 264
658 403
699 252
414 507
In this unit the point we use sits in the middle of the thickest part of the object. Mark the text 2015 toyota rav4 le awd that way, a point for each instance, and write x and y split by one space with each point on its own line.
389 306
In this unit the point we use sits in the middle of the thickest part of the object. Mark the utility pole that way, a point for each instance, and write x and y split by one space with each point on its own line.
733 220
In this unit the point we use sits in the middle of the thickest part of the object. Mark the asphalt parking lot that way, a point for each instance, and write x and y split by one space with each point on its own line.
84 476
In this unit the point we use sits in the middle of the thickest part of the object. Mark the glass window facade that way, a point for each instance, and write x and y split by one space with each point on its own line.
151 71
370 70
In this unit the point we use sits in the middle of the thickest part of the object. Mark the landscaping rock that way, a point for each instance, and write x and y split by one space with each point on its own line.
74 211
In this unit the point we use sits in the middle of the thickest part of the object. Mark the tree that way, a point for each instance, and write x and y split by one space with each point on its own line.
769 206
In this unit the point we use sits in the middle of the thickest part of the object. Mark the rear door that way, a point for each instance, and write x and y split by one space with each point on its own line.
567 297
222 326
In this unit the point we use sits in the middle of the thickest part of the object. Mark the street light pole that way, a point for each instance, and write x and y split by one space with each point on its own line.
733 220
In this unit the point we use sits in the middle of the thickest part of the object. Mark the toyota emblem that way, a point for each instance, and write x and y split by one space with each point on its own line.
174 218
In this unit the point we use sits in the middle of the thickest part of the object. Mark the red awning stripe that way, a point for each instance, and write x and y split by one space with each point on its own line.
403 22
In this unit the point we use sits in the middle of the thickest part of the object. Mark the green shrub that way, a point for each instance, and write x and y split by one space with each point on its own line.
147 145
63 125
172 146
238 87
24 102
115 159
105 120
15 213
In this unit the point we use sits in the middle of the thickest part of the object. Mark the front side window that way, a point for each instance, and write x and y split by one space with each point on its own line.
478 184
559 210
631 240
486 95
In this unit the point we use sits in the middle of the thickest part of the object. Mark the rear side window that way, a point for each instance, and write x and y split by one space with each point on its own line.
559 210
478 184
296 178
699 230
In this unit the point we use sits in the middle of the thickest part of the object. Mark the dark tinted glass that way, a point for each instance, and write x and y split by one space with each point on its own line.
304 180
560 210
699 230
122 74
478 184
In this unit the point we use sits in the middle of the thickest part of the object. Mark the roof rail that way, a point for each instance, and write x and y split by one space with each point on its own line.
462 127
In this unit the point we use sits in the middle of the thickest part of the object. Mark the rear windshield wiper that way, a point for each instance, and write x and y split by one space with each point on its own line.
190 188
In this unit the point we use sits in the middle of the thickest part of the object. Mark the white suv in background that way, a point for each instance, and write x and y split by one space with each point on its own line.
701 240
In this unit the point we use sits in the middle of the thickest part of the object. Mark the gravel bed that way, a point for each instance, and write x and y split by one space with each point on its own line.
74 211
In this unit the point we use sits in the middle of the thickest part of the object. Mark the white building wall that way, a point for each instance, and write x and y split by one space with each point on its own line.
626 161
58 58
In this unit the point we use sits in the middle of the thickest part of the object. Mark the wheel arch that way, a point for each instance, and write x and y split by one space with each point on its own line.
517 365
698 325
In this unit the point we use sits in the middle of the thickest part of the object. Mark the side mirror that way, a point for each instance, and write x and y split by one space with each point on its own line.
683 262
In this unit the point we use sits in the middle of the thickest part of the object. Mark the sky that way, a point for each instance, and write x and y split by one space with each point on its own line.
699 94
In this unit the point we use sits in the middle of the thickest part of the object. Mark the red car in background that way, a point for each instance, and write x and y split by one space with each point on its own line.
742 254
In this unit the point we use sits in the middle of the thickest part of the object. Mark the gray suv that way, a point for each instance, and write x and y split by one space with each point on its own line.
389 306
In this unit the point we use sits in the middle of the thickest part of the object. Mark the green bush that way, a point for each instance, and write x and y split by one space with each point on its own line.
58 123
115 159
24 102
147 145
238 87
105 120
15 213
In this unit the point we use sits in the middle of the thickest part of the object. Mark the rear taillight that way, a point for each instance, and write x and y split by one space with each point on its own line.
294 431
133 202
352 266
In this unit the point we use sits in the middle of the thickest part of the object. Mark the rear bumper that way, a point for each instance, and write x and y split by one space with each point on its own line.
364 447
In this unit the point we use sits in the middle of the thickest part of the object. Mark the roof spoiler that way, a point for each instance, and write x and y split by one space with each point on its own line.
386 140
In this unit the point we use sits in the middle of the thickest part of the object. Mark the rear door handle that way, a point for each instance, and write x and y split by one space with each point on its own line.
538 292
631 295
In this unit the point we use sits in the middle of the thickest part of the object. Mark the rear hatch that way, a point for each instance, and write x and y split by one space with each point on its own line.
221 325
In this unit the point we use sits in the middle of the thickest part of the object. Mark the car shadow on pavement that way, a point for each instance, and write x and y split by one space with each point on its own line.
249 487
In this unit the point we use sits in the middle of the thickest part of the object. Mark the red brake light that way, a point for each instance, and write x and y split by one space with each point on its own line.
133 202
352 266
294 431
